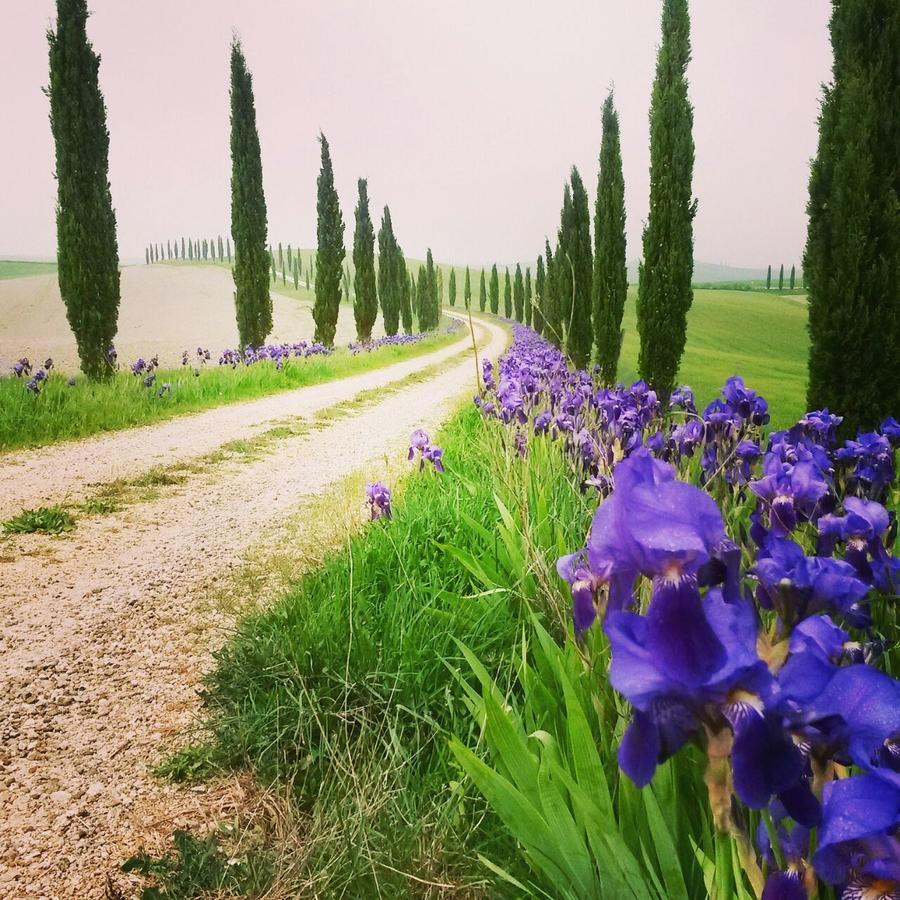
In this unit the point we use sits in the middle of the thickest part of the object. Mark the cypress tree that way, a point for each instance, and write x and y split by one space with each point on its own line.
519 295
296 273
272 265
406 298
228 249
563 271
280 257
191 250
610 269
793 276
769 278
429 303
550 309
87 248
664 288
781 278
507 295
205 250
495 290
423 298
528 296
365 296
252 300
182 248
467 290
175 249
579 261
168 249
482 293
147 255
439 295
330 253
389 284
540 295
451 288
852 259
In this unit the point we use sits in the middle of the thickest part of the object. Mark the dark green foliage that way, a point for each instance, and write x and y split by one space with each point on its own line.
330 255
252 300
528 296
451 288
769 278
46 519
610 269
852 258
406 298
576 270
793 276
296 272
423 292
495 290
781 278
199 868
182 248
391 275
280 257
550 310
147 255
507 295
467 290
191 253
168 249
664 290
87 250
365 296
540 296
519 295
227 248
482 293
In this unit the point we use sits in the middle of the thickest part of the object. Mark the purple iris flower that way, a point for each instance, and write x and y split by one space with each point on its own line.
48 363
890 428
746 404
796 586
520 442
138 366
874 460
434 456
683 398
22 367
33 386
378 497
858 845
542 422
791 493
784 886
821 425
688 436
148 381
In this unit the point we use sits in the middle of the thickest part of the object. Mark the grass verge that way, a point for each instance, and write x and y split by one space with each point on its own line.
62 412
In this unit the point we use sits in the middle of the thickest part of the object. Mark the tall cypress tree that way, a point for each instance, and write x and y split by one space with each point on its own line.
330 254
430 303
540 296
406 298
451 287
519 295
563 273
365 297
147 255
182 248
482 293
793 276
390 278
296 273
852 259
87 249
781 278
769 278
414 299
528 295
579 334
252 300
423 298
168 249
191 251
610 269
664 288
507 295
227 248
550 308
467 290
494 290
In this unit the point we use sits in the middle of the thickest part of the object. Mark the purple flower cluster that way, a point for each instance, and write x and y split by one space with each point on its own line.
277 353
758 645
397 340
378 498
34 384
420 445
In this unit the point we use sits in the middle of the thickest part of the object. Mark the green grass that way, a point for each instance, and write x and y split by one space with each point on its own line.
758 286
61 412
345 690
19 268
46 519
763 338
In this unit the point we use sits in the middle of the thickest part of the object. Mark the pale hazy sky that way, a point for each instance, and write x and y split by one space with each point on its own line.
465 116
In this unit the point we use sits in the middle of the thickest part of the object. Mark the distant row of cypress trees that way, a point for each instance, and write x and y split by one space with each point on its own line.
213 249
792 279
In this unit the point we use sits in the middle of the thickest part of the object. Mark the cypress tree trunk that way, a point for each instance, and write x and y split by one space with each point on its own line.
451 288
519 294
579 335
365 297
528 296
389 275
540 296
330 254
87 249
664 289
610 268
252 300
482 293
495 290
852 258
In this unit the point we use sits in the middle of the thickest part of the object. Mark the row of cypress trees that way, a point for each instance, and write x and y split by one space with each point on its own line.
213 249
791 281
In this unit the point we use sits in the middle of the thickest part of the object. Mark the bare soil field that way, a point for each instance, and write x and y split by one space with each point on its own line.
164 310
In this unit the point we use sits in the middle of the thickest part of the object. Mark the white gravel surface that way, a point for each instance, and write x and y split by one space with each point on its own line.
105 632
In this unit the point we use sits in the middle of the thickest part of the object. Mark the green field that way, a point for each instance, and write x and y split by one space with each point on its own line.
760 337
18 268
